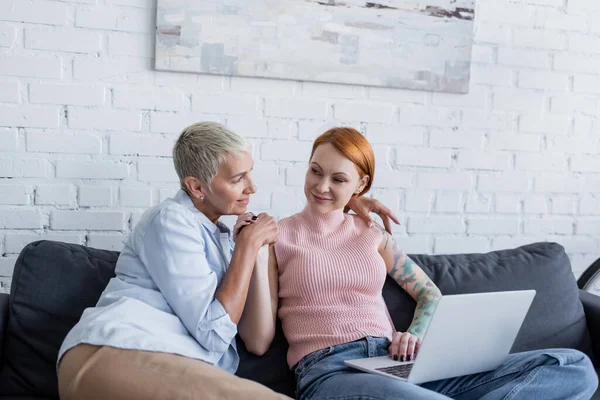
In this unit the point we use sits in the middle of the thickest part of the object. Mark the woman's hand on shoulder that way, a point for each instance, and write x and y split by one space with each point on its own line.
405 346
263 229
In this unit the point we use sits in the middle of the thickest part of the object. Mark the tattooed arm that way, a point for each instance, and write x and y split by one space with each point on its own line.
413 280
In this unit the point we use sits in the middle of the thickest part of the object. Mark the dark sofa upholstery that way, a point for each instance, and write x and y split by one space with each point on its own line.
54 282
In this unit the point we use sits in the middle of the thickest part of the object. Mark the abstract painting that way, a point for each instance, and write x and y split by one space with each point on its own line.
409 44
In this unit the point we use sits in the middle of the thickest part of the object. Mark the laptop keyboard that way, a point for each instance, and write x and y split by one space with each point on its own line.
401 371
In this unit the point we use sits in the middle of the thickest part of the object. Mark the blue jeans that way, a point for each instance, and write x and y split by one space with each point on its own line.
559 374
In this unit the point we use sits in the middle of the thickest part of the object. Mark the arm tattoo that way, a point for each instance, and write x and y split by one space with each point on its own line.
411 278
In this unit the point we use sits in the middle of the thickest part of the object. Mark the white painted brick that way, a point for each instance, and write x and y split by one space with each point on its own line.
513 141
260 201
584 125
445 180
295 108
46 142
159 171
534 204
577 63
583 6
286 203
507 243
541 162
8 139
130 45
507 204
492 226
15 194
552 19
415 244
31 67
553 124
546 80
72 40
131 3
281 128
435 224
523 58
588 226
572 102
587 83
20 219
510 14
449 202
423 157
10 92
493 33
383 158
175 123
564 205
143 145
117 69
55 195
96 196
151 99
473 159
560 183
106 242
585 163
580 262
462 138
29 117
24 168
91 169
394 134
37 12
115 18
505 182
478 203
589 205
135 197
112 120
331 90
553 225
419 201
225 104
250 127
15 242
539 39
265 173
295 176
271 87
395 96
476 98
491 75
177 79
575 244
363 111
460 245
8 35
135 218
429 116
518 100
582 43
488 120
285 151
7 265
481 54
169 192
392 179
392 200
80 95
87 220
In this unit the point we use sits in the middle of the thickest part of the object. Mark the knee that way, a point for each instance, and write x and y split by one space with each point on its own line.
581 365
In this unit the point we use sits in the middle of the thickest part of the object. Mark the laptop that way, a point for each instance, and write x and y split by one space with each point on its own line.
468 334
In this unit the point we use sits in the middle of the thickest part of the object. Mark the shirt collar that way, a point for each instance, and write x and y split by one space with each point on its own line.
182 198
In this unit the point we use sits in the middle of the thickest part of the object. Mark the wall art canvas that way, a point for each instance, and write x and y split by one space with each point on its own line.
409 44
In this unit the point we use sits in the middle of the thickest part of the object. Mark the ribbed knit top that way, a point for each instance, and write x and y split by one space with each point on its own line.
330 281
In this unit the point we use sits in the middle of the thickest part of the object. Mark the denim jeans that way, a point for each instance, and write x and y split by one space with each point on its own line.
555 374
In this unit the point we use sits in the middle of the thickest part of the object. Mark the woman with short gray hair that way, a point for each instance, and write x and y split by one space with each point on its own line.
165 326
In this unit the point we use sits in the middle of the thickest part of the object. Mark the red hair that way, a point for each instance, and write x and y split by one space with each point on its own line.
353 145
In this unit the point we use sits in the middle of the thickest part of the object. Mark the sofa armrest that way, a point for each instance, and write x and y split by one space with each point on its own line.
591 306
3 322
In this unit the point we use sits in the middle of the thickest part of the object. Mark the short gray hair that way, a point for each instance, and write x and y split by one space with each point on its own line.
201 148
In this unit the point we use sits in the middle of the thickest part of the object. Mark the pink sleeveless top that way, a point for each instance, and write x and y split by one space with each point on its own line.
330 281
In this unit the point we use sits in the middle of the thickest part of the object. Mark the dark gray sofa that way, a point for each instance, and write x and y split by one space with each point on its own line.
54 282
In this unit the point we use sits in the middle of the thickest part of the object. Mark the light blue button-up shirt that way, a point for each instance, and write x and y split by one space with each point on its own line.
163 296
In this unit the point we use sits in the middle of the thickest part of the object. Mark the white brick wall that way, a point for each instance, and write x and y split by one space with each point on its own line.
87 125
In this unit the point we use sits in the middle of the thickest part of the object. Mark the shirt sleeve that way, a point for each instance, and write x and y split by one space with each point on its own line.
172 249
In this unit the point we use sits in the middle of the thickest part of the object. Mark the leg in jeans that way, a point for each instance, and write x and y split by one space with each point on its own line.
100 373
554 374
323 375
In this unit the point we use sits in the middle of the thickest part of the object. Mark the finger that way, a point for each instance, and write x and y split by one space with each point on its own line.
394 347
410 350
365 217
403 347
386 224
417 347
383 211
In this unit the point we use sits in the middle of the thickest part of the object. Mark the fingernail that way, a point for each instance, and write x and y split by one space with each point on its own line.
402 358
254 218
408 357
395 357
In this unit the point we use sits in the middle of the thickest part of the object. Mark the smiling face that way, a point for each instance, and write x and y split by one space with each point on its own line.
331 180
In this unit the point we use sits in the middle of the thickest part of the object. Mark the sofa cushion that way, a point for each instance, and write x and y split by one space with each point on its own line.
556 317
52 284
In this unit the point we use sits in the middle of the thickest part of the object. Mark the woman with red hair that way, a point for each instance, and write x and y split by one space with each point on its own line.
327 273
